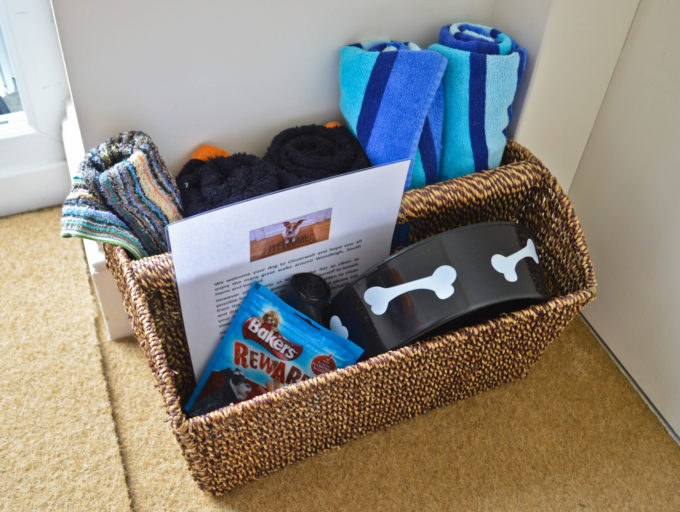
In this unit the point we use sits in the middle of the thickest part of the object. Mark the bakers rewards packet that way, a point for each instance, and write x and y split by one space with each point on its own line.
267 345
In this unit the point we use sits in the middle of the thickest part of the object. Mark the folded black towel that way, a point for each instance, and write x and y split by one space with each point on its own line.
312 152
205 185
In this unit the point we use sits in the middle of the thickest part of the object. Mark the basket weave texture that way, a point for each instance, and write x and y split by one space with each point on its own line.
239 443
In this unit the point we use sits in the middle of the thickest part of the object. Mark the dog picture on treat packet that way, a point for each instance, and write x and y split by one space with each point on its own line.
224 387
290 234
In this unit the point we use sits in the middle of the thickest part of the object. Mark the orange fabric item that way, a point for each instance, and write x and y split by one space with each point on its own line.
205 152
332 124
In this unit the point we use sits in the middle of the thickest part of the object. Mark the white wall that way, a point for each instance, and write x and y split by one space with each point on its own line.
626 193
33 170
230 74
234 76
579 48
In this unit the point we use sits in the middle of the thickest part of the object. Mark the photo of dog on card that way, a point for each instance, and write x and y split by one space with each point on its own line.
291 230
290 234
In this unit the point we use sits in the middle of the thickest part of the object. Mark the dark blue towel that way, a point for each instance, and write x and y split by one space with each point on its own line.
392 100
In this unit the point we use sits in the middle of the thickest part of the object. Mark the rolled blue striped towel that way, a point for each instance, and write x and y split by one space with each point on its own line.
484 68
392 101
123 195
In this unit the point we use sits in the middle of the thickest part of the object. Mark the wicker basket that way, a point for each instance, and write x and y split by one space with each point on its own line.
236 444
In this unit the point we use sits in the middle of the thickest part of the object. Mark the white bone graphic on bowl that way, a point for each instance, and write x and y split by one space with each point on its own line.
507 265
440 282
337 327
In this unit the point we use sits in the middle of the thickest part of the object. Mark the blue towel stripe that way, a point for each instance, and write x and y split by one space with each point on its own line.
409 68
435 119
373 96
428 155
500 91
355 71
404 138
456 153
417 172
477 89
388 89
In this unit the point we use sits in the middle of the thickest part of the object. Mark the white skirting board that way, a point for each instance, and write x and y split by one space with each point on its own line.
109 297
39 187
115 317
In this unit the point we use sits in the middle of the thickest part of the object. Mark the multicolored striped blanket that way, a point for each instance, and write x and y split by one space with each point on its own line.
123 195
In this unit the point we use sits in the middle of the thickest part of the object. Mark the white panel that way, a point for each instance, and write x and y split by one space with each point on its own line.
580 47
626 195
218 72
35 188
33 170
115 317
109 298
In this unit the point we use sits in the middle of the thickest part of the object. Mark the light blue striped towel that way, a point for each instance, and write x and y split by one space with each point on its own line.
392 101
484 69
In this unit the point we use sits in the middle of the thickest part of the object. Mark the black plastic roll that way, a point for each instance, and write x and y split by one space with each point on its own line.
309 294
313 152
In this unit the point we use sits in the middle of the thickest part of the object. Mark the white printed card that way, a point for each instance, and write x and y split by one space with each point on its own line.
336 227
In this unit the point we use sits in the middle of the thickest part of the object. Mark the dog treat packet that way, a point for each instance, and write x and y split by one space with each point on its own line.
267 345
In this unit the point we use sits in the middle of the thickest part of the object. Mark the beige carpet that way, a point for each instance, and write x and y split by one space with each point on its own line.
574 435
59 449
